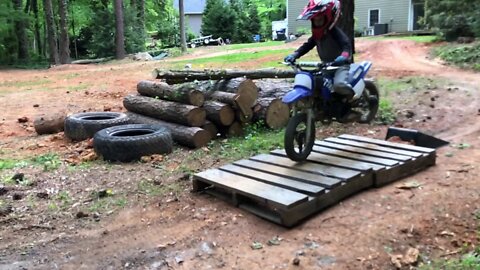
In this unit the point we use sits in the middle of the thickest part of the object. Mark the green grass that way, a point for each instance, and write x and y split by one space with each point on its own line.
464 56
24 83
252 45
108 203
419 39
149 188
235 58
386 112
79 87
469 261
49 161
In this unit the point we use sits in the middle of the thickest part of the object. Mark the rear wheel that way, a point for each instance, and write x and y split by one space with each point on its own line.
369 106
297 144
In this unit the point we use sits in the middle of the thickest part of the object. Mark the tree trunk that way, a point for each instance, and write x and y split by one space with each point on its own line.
211 128
272 111
51 32
182 76
182 94
37 28
193 137
273 88
219 113
183 42
234 130
21 31
119 30
141 14
49 124
64 41
347 21
186 115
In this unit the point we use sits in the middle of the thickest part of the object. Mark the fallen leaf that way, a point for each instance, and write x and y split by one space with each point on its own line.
396 260
411 257
275 241
409 185
256 245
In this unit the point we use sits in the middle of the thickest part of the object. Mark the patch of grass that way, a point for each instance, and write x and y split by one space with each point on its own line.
253 45
464 56
257 140
469 261
71 75
24 83
386 113
235 57
108 204
6 164
149 188
419 39
7 180
49 161
64 199
79 87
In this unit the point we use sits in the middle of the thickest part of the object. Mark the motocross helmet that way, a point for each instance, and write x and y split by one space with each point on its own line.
325 11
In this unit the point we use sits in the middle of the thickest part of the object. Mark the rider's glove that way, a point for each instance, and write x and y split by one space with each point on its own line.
291 57
342 59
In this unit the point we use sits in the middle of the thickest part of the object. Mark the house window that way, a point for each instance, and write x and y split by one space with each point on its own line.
373 17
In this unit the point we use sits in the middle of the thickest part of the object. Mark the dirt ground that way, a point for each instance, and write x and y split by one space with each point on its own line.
175 229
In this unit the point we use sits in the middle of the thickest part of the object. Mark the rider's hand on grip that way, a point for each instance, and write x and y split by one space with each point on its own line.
291 58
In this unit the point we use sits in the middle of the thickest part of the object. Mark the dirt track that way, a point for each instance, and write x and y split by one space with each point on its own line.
200 232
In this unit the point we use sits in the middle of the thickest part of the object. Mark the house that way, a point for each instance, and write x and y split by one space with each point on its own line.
394 16
193 14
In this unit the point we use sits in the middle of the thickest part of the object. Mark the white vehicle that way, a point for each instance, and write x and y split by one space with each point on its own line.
205 41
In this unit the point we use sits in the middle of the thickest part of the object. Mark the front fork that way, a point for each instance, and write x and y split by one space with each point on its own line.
310 120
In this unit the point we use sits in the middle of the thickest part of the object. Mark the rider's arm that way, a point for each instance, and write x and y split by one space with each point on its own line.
341 38
306 47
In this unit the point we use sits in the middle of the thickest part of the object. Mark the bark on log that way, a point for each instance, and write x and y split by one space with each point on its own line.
193 137
244 118
181 76
183 114
234 130
49 124
211 128
273 88
183 94
272 111
225 97
219 113
245 88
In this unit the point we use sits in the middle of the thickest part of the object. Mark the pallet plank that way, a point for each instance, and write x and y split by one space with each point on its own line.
337 172
335 161
388 144
277 196
306 177
358 150
275 180
367 158
374 147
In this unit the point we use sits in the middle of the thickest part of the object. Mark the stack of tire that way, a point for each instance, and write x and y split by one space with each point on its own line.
115 139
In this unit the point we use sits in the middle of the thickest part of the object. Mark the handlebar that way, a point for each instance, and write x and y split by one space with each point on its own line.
317 66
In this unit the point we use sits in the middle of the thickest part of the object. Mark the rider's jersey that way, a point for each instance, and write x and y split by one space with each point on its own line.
331 45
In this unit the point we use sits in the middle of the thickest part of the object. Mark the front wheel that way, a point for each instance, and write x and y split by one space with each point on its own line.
369 107
297 144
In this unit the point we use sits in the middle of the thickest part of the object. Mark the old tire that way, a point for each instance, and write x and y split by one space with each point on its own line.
296 146
130 142
81 126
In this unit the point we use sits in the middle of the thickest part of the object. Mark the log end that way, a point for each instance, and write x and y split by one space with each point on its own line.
277 115
197 117
201 138
197 98
227 115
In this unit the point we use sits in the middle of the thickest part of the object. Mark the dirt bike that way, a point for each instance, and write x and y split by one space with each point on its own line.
313 99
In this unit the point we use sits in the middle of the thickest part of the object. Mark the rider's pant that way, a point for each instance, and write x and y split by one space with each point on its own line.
340 82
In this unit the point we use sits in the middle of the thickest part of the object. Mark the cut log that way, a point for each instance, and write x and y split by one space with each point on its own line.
181 76
225 97
49 124
184 94
187 115
193 137
211 128
273 88
245 88
234 130
219 113
272 111
244 118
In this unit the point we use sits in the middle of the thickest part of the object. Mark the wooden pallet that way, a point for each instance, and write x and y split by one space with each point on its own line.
286 192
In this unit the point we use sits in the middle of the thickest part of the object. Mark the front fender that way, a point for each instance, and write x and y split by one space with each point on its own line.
296 94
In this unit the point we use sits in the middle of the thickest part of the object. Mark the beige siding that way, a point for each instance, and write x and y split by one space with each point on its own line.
393 13
295 7
397 10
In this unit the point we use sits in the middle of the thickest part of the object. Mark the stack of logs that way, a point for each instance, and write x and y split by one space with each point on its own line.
196 112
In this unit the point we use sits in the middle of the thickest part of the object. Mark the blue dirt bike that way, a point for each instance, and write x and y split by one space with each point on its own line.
313 99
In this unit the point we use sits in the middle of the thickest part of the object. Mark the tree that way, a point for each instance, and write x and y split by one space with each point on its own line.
64 41
38 41
20 30
254 25
51 32
347 20
183 43
119 30
241 34
218 20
